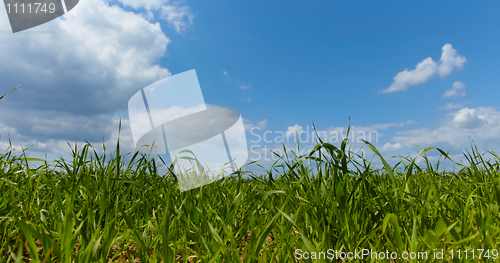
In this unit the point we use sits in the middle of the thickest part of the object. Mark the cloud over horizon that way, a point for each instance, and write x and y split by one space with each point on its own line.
78 75
480 124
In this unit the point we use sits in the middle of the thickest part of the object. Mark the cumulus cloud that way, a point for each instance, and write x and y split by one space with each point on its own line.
480 124
176 15
96 58
77 79
450 60
180 17
55 147
388 147
421 74
469 118
294 130
457 90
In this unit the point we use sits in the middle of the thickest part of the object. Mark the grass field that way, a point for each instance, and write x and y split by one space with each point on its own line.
98 208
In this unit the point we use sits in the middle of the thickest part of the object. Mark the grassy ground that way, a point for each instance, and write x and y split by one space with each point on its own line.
94 208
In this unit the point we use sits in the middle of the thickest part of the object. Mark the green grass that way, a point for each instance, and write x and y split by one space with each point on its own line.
98 208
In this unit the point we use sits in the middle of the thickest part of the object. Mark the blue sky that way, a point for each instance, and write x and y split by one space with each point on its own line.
283 65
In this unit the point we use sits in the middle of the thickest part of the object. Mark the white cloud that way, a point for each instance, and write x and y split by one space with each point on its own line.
98 53
469 118
408 122
262 124
480 124
335 135
175 14
179 17
388 147
451 106
74 80
457 90
63 145
421 74
243 86
426 69
294 130
450 60
383 126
